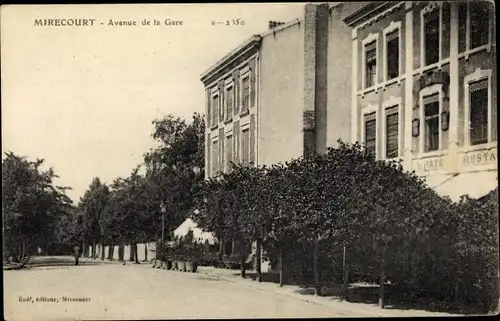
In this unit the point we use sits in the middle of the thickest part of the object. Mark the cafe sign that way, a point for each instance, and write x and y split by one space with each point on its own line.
479 158
430 164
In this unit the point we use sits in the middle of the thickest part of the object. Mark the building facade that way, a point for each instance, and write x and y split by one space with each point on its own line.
423 90
279 95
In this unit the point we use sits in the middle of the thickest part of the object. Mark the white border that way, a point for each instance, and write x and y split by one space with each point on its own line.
436 88
392 102
365 111
393 26
369 39
477 75
428 9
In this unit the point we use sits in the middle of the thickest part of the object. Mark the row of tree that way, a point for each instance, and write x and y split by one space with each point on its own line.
129 211
324 216
36 212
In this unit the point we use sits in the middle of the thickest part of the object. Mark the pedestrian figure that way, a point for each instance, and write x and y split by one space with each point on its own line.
39 250
76 253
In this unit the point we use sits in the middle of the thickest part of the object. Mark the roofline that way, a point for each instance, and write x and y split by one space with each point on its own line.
364 12
282 27
250 44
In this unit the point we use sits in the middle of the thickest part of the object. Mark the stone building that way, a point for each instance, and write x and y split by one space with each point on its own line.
423 90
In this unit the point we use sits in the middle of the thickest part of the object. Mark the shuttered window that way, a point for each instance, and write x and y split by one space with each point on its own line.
479 19
478 93
222 164
215 110
215 157
392 132
431 115
371 64
245 147
245 89
371 132
393 54
229 152
431 37
229 102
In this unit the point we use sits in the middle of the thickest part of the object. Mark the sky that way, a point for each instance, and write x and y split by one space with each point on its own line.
84 98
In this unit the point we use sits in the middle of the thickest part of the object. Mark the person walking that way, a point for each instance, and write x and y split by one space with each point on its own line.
76 253
39 250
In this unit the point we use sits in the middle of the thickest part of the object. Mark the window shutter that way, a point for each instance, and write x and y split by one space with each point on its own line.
253 76
236 92
393 35
430 99
478 85
252 140
221 149
392 132
236 142
371 51
221 100
209 103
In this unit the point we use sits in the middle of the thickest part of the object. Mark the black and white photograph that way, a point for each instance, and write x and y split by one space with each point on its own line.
249 160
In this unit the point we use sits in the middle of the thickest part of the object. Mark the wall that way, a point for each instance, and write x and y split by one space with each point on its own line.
280 135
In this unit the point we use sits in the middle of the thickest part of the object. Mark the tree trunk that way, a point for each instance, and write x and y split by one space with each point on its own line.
145 252
136 255
132 254
233 247
281 267
381 295
103 249
24 249
317 287
111 251
94 253
84 248
121 252
345 275
258 259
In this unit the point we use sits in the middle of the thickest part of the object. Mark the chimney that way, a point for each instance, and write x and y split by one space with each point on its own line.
274 24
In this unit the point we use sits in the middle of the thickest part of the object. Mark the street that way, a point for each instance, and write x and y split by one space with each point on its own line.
115 291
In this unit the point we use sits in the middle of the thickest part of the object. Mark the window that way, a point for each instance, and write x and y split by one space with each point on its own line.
479 21
229 102
431 122
392 41
229 152
245 88
245 147
215 110
478 94
371 64
215 157
371 132
432 42
391 132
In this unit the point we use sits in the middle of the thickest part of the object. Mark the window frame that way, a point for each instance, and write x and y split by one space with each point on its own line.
427 10
392 27
245 128
215 113
468 50
478 75
372 108
245 74
229 157
215 160
372 37
390 103
429 91
229 116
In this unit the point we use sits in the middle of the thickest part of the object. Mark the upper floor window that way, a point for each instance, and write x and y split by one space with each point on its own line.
479 21
215 110
391 132
478 93
431 122
371 132
229 152
370 64
245 93
392 55
215 157
432 41
245 147
229 102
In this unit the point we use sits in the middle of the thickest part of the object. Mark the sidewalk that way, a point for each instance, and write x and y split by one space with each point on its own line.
343 307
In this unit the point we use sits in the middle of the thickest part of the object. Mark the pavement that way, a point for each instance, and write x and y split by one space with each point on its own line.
139 291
